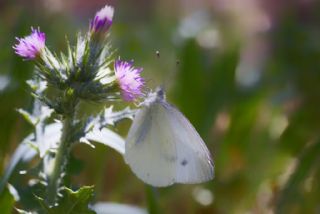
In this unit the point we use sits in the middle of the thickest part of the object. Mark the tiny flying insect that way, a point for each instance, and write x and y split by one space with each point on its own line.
163 148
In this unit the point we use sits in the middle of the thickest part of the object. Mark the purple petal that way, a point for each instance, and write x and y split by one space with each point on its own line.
129 79
30 46
102 20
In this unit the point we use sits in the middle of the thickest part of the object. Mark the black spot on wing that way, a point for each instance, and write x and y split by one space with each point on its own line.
184 162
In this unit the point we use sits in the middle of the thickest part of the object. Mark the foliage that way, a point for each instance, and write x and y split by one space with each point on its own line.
6 201
71 202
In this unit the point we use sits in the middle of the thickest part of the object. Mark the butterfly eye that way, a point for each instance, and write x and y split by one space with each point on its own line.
160 93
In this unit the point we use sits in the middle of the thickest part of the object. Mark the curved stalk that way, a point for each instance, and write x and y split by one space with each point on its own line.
60 161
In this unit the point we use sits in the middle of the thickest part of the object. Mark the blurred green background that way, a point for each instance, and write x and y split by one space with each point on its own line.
246 74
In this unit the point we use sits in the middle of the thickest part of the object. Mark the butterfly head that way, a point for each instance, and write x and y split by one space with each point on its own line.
160 94
154 96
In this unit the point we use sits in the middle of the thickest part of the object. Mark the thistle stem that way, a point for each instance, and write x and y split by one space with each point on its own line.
60 161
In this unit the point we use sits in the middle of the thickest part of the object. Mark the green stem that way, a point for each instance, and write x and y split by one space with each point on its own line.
60 161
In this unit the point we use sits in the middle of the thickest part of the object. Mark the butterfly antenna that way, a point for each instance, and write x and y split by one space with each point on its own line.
167 80
164 81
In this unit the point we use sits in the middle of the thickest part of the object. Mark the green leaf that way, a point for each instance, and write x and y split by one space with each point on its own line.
6 202
72 202
23 153
292 193
107 137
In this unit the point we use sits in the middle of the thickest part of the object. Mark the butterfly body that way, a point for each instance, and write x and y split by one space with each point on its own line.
163 147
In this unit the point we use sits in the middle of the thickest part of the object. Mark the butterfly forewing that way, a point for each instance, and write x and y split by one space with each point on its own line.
149 151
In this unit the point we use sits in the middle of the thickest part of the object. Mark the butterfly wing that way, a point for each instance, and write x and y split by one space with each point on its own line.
148 151
163 148
193 163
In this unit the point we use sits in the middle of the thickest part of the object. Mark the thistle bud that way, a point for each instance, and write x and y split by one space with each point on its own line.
102 20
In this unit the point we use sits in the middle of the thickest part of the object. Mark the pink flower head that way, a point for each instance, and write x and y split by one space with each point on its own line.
30 46
129 79
102 20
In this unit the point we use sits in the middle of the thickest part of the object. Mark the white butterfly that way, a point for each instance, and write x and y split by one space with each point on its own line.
163 147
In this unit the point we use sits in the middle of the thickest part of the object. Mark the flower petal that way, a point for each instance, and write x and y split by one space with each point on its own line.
129 79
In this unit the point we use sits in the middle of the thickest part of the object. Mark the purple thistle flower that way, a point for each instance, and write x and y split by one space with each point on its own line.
102 20
129 79
30 46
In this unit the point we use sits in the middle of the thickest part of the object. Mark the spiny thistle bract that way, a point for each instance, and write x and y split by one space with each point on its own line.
86 67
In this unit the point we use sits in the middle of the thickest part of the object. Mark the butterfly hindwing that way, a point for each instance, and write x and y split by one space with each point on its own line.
194 163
